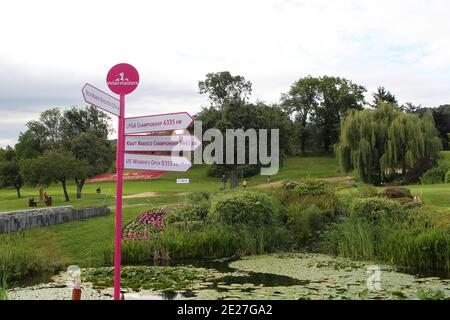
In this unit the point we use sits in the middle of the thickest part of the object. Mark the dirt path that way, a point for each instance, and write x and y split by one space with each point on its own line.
277 184
140 195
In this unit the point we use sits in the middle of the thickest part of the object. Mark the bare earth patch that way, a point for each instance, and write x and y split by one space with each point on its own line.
140 195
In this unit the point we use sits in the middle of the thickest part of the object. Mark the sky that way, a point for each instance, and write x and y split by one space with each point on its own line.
50 49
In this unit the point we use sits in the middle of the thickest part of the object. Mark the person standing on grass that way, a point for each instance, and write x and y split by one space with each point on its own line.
224 182
244 183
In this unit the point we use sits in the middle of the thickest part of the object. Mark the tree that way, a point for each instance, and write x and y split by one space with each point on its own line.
10 175
336 97
385 140
80 132
53 166
441 117
302 100
222 87
85 134
408 107
382 95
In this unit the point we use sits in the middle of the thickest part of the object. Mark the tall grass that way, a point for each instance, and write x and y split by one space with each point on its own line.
411 243
205 242
20 261
3 286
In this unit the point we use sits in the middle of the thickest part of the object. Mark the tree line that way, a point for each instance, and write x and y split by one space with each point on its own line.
59 146
316 114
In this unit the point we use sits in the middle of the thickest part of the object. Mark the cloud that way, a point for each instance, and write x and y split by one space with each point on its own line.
52 48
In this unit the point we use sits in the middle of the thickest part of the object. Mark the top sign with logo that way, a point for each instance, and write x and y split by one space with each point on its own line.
122 79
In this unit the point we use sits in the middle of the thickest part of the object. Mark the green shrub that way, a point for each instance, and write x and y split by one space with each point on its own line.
244 208
447 177
396 192
191 212
367 191
306 221
195 197
435 175
290 184
374 208
312 187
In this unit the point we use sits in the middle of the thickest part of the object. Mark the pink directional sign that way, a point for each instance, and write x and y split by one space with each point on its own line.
181 142
122 79
160 122
156 162
101 99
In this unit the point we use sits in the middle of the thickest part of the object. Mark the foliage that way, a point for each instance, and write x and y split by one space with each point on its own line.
410 243
196 211
382 96
306 221
149 278
375 208
244 207
10 175
19 261
447 177
53 166
203 241
222 87
435 175
324 101
396 192
148 224
382 141
312 187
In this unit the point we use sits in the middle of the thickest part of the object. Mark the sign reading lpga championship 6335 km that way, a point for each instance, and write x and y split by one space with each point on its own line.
123 79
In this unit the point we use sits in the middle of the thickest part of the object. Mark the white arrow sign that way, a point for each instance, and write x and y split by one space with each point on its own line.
160 122
176 142
156 162
101 99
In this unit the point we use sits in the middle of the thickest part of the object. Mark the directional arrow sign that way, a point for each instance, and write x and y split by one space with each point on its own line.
176 142
101 99
156 162
160 122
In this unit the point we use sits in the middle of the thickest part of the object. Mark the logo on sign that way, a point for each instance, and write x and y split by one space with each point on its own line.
123 78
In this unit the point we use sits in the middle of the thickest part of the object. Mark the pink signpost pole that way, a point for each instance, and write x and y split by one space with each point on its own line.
122 79
119 184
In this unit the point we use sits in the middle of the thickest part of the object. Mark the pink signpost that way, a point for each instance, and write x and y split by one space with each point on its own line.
123 79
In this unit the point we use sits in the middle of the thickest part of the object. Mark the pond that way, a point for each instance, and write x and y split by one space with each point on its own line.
289 276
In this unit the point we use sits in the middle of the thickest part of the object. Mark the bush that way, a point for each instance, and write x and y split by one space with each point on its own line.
305 221
244 208
374 208
396 192
191 212
435 175
367 191
290 184
447 177
195 197
312 187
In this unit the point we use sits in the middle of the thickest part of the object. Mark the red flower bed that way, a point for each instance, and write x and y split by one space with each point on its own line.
143 175
147 225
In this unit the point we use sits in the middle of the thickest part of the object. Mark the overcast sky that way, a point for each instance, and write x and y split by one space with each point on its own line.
49 49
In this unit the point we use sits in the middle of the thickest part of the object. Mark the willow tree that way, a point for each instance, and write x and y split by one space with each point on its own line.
385 140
